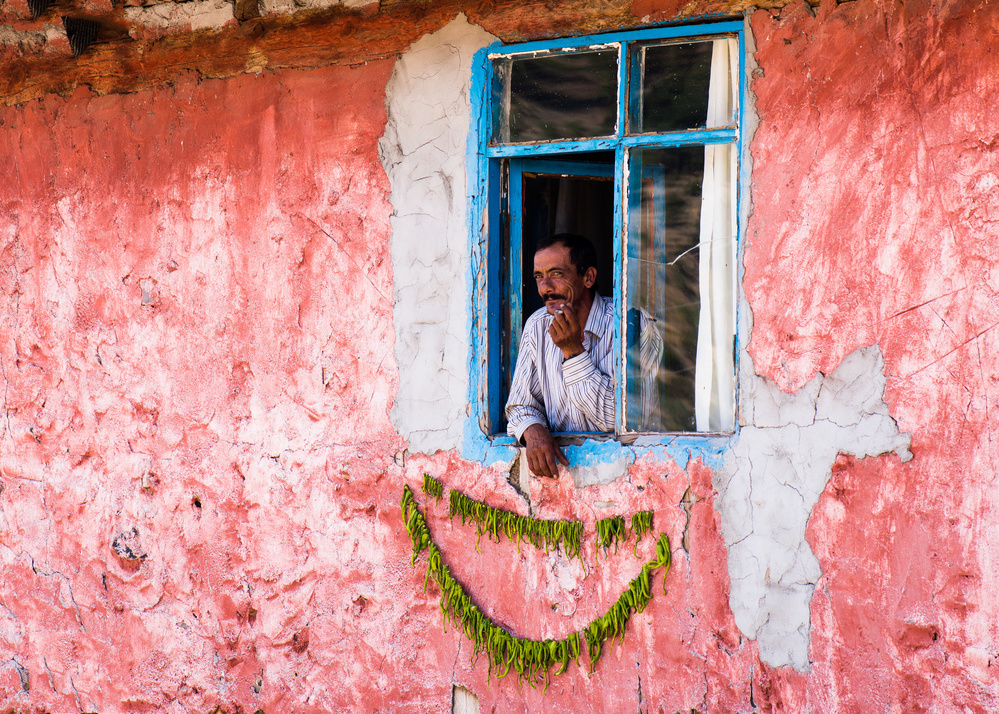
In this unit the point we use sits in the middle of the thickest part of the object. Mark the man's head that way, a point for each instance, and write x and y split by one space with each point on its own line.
565 271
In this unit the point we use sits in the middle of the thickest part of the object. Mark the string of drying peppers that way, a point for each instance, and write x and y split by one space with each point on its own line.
641 526
531 659
544 535
609 532
432 487
613 622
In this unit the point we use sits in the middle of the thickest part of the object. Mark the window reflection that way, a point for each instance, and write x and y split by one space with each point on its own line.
663 288
566 96
675 85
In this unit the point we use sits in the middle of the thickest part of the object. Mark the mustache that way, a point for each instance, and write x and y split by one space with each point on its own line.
555 296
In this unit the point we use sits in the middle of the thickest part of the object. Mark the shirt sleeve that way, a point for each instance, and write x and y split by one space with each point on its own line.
525 406
590 390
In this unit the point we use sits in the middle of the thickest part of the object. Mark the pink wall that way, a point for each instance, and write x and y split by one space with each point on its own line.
877 220
252 215
199 288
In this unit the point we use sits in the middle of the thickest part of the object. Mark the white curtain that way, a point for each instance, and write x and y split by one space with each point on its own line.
714 381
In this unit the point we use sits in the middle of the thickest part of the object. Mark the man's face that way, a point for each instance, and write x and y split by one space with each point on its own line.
558 280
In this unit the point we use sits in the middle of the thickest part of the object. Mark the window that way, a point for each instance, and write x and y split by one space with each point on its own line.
632 140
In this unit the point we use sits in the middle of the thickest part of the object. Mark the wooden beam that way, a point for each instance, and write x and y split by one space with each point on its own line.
303 40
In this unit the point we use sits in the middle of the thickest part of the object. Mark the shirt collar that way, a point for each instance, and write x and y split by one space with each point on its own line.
596 322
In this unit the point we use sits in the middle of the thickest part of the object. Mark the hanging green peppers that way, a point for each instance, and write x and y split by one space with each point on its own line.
641 526
609 532
432 487
533 660
546 535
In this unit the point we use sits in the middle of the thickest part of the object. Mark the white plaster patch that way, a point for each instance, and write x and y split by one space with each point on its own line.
423 152
463 701
198 15
773 477
597 464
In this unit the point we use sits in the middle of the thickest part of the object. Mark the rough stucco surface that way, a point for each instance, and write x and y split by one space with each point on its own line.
200 500
199 362
197 366
684 651
198 15
423 151
877 222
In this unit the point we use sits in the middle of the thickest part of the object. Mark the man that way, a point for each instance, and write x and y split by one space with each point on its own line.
564 377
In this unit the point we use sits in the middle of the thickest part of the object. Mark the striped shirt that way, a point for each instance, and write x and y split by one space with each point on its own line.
564 395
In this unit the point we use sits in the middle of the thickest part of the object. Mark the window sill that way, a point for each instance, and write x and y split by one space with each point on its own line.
593 449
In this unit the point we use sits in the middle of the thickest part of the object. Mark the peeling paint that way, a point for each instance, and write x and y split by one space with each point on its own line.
598 463
210 312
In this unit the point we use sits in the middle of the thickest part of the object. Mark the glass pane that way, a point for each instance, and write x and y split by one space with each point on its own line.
676 80
567 96
663 291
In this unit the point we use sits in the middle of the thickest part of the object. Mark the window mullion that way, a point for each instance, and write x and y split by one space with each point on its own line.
622 89
515 270
620 277
496 348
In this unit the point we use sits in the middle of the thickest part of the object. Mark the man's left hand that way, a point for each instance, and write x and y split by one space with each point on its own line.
566 332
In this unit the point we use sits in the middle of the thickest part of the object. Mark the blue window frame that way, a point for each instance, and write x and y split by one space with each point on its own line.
635 136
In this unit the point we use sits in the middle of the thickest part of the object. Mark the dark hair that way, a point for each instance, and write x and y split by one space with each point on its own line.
581 251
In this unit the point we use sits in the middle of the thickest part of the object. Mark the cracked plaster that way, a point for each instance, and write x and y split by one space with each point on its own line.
772 478
768 485
776 467
423 151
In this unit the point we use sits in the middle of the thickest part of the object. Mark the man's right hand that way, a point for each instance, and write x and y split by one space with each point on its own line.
543 454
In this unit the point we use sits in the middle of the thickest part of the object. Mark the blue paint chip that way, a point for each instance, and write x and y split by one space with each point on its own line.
595 453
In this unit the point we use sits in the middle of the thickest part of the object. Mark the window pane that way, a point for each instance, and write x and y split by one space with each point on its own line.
681 264
567 96
675 83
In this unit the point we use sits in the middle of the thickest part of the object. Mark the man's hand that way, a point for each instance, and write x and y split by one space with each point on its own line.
566 332
543 454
